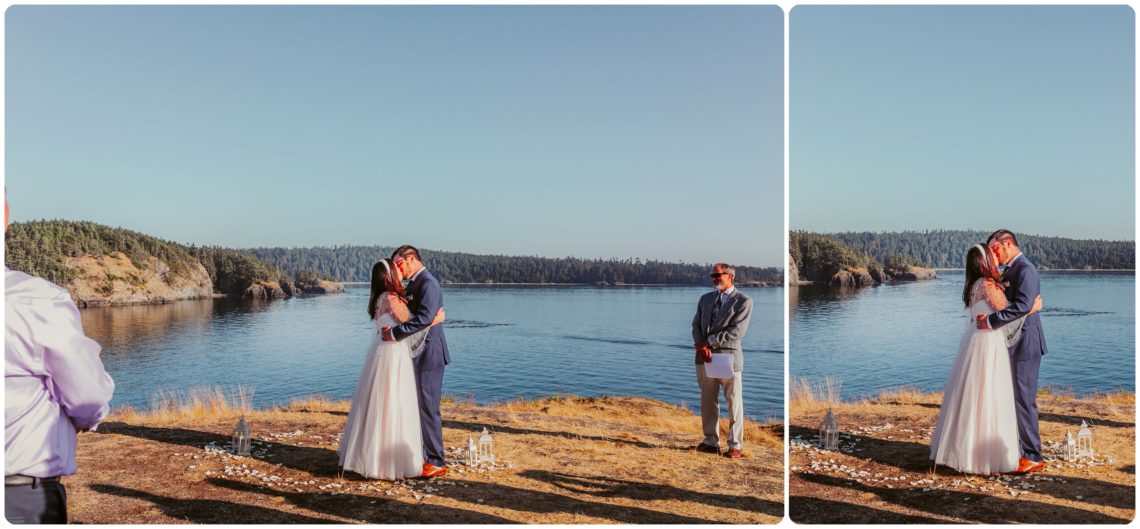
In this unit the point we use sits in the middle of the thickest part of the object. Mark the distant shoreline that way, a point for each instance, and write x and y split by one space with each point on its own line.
575 285
1062 269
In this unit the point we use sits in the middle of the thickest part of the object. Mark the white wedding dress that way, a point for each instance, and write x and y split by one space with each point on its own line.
382 438
976 431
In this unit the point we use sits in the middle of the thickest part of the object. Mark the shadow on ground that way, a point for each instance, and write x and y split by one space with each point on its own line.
606 487
320 462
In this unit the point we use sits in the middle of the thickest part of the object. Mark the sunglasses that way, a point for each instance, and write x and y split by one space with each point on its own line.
716 275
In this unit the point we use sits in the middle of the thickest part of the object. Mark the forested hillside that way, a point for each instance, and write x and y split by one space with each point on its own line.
947 248
354 263
39 247
51 249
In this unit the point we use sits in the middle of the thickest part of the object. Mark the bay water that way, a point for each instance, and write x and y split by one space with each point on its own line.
906 334
506 342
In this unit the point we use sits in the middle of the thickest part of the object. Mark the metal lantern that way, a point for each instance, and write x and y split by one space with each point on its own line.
1069 449
472 453
829 432
486 451
1084 441
242 439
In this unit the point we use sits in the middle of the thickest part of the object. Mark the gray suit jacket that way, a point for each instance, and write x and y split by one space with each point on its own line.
727 330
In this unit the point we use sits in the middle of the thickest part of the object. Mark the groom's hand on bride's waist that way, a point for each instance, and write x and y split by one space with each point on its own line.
983 321
386 334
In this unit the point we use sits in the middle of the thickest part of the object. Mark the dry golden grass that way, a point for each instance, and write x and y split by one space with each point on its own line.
811 394
191 405
882 472
564 460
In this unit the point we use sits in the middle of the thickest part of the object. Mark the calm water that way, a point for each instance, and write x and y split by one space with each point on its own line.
907 334
505 342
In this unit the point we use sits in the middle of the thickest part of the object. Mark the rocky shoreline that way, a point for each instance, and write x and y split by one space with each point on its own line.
115 280
851 277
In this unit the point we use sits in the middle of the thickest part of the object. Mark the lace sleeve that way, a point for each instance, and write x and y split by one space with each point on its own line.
976 294
994 295
397 307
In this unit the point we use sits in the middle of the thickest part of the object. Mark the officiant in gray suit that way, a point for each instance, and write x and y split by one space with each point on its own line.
718 328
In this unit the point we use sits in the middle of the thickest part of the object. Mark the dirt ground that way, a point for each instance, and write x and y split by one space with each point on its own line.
882 472
561 460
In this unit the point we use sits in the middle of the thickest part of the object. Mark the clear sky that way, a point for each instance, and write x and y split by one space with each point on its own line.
651 132
963 118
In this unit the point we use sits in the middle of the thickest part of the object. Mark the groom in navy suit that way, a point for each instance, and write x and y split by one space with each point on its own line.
1023 285
426 301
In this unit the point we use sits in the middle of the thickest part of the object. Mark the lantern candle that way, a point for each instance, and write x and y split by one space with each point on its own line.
486 451
829 432
1084 441
472 453
1069 449
242 438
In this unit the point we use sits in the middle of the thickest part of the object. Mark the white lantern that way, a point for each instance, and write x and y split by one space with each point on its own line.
242 439
829 432
1069 449
472 453
1084 441
486 451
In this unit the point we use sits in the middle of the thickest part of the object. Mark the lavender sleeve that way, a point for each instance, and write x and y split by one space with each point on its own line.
78 381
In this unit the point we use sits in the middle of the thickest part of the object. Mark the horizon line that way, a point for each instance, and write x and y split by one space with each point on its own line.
917 230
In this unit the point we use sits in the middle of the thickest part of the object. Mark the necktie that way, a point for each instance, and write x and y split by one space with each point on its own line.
716 306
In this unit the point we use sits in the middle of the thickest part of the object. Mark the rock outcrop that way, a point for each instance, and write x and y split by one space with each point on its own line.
852 277
794 274
321 287
261 289
913 273
116 280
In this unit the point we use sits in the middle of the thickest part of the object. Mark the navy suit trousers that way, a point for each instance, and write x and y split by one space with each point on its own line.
429 384
1025 397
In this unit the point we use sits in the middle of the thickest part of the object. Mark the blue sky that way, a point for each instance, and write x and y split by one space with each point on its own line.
959 117
651 132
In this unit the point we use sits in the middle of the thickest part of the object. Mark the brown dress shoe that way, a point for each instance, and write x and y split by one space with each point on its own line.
708 449
431 471
1025 466
733 453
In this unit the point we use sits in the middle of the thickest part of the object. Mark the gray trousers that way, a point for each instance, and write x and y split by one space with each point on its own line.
710 408
35 504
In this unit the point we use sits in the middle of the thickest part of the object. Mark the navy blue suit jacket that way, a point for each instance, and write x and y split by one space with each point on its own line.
427 298
1024 287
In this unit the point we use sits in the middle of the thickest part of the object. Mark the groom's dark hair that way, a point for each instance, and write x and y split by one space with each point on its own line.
1002 236
405 251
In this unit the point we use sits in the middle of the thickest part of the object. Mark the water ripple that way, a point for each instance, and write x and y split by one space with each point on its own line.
504 344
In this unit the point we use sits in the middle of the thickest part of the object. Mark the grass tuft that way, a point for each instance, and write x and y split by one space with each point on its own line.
810 394
200 403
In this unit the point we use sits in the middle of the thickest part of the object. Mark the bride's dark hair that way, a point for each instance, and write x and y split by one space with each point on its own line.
383 281
979 264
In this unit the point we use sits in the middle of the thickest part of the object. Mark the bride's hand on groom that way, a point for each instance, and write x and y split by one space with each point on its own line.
440 317
1037 305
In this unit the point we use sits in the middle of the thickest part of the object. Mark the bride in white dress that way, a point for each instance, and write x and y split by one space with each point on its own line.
382 438
976 431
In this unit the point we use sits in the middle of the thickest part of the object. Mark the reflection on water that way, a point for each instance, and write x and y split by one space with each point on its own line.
141 324
907 333
505 342
145 323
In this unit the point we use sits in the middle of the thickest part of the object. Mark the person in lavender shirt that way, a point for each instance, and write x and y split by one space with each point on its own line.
54 387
